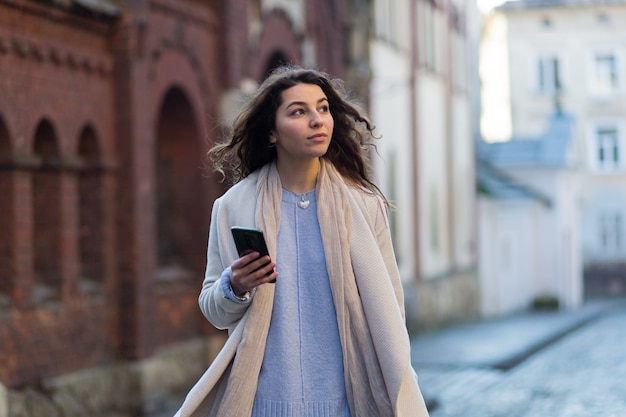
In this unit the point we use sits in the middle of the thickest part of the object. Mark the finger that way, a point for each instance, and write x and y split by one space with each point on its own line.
246 275
241 270
264 274
249 257
246 264
269 277
260 262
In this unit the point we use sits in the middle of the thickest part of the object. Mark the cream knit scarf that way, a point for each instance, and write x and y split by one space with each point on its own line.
362 293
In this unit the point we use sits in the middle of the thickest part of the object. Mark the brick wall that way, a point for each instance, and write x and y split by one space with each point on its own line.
105 208
57 82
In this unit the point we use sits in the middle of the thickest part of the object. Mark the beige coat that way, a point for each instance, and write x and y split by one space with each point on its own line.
237 207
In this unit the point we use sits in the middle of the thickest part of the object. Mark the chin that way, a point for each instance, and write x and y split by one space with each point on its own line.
321 151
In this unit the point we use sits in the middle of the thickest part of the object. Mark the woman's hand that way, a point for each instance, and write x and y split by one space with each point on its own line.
250 271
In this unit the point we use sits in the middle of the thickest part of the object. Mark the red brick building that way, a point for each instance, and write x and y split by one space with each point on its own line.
107 109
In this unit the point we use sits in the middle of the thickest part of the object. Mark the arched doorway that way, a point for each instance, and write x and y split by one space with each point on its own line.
46 215
276 60
181 240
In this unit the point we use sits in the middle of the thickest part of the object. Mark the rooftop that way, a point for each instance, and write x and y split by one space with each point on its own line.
495 183
538 4
549 150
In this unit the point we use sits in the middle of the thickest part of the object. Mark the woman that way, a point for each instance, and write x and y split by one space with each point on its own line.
328 338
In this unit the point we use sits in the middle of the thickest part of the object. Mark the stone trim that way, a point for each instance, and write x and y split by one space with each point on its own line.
26 162
56 55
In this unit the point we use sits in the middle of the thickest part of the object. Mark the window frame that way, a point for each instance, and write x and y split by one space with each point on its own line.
611 232
603 166
557 82
597 88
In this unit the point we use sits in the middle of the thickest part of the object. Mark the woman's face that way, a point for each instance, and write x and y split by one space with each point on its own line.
304 125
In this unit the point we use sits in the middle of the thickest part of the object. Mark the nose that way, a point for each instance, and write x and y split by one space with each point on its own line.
316 119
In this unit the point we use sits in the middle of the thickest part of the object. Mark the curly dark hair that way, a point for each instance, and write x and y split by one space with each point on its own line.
247 148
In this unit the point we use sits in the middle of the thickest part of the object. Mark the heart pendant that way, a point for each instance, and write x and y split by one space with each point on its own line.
303 203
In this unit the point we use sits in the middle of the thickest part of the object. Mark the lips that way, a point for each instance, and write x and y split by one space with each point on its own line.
318 136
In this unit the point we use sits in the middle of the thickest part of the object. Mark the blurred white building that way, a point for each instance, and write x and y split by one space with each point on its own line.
568 56
424 102
529 220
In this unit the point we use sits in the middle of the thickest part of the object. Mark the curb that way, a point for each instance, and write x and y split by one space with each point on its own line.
516 359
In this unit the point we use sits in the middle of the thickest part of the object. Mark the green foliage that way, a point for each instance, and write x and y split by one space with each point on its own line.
545 302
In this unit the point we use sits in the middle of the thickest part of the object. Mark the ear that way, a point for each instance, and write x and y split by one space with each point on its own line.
273 136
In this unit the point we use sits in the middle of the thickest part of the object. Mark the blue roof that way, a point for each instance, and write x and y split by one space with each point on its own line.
549 150
495 183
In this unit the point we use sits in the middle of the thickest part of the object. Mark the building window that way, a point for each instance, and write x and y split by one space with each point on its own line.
604 73
426 34
460 66
180 195
47 227
549 74
391 22
607 147
91 211
611 232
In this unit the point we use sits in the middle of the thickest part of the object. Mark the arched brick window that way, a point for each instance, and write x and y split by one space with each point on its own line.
46 212
6 218
181 240
91 225
276 60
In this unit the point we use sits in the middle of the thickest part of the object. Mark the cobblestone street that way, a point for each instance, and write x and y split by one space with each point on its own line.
582 374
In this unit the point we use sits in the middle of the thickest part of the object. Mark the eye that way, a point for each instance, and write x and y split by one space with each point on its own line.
324 108
297 112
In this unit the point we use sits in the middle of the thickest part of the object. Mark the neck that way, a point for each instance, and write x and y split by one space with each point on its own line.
299 178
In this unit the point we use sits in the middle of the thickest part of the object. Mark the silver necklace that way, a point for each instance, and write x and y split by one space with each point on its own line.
303 203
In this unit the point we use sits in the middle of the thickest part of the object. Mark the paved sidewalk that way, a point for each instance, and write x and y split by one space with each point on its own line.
478 355
500 343
456 363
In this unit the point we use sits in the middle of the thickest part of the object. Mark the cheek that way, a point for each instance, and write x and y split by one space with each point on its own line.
330 126
286 131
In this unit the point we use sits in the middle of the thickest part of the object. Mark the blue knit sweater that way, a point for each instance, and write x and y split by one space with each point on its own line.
302 371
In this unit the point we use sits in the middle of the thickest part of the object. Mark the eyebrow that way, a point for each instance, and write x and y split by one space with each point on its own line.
302 103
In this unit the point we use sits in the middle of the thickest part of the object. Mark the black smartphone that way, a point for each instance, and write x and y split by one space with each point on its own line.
248 239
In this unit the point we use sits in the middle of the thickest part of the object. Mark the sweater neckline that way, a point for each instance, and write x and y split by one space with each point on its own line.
290 195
